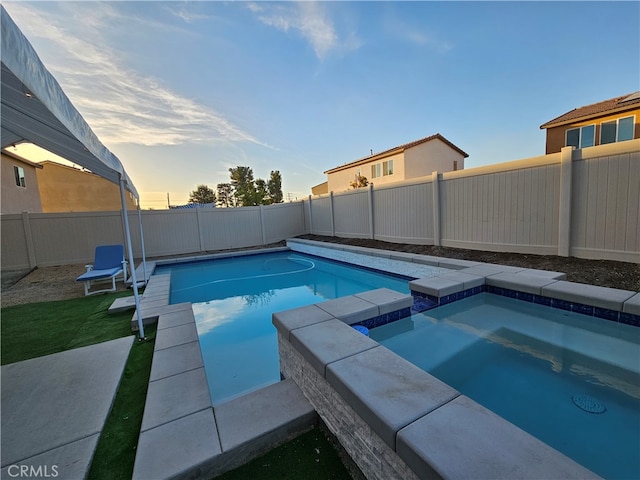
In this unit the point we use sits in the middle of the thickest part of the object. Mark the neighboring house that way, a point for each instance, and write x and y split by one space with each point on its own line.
70 189
614 120
19 185
320 188
411 160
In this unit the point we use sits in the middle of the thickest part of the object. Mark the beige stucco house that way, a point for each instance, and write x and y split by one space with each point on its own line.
19 185
320 189
70 189
50 187
411 160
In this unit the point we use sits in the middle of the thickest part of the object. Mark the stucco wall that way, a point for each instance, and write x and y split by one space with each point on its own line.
19 199
424 159
320 189
339 181
67 189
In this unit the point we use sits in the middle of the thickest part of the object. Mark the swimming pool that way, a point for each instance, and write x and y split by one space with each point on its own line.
233 300
571 380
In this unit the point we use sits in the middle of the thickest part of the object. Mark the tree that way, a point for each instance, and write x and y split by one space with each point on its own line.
202 194
359 182
274 187
225 195
262 196
244 188
248 192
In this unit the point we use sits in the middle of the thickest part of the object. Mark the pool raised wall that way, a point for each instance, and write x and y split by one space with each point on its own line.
397 421
394 419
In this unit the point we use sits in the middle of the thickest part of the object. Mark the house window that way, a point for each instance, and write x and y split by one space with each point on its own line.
455 165
376 171
617 130
19 173
581 137
387 167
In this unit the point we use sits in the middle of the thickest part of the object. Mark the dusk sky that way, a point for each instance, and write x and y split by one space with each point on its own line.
183 91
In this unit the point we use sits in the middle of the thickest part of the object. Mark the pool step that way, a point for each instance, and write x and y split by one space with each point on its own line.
154 301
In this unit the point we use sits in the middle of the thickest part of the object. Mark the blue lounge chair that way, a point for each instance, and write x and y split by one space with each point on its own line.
108 263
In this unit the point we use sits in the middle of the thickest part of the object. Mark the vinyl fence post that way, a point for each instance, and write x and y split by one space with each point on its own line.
564 216
310 217
372 231
435 189
262 229
333 221
28 237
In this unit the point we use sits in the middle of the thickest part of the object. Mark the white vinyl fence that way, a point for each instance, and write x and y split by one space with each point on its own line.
48 239
583 203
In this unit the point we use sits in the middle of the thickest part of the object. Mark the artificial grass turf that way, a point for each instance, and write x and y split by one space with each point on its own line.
116 451
309 456
38 329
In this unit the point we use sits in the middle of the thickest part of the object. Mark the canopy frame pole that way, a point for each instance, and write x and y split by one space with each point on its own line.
132 264
144 255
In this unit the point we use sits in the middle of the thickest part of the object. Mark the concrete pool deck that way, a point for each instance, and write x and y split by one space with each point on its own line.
55 407
195 437
198 440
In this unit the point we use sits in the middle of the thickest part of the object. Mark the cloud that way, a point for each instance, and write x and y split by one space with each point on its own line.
120 104
426 40
405 29
309 20
187 15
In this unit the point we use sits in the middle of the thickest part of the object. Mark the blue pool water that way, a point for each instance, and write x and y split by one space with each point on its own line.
571 380
233 300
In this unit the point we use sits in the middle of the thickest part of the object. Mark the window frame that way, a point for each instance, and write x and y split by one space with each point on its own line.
387 166
19 176
616 121
580 136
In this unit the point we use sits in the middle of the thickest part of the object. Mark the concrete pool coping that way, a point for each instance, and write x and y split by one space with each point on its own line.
195 423
470 274
397 421
198 439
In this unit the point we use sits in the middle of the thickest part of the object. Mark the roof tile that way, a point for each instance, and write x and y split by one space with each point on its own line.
595 109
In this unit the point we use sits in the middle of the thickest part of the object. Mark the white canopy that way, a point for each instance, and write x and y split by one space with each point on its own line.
35 109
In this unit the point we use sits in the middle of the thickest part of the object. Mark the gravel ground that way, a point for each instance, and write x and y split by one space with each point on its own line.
605 273
59 283
46 284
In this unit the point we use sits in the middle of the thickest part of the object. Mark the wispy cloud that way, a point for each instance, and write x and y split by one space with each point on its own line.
421 36
183 12
121 105
427 40
309 20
